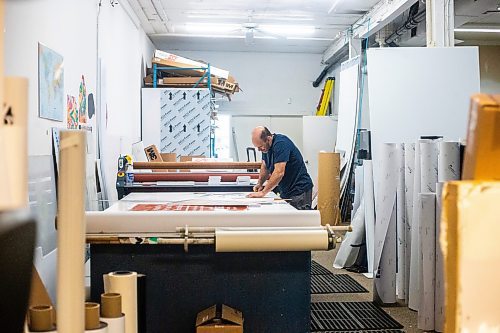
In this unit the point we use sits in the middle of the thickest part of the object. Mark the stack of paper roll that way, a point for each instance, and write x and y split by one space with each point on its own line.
125 284
329 187
111 312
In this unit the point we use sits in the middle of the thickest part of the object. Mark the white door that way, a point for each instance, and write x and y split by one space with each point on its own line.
319 134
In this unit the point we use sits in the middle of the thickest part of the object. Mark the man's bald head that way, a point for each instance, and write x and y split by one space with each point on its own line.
262 138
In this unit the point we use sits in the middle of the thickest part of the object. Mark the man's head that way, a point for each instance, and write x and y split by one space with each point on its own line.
262 138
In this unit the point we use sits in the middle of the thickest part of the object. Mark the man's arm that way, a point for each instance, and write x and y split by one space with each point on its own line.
263 175
276 176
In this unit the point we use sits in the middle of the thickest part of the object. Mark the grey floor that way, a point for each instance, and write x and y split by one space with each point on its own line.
399 312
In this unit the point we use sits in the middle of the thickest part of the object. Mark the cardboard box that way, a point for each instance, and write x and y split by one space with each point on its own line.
469 241
219 319
169 59
482 151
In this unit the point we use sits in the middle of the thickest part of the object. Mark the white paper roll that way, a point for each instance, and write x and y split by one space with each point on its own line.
429 151
428 251
449 161
439 291
385 226
358 192
168 221
401 225
125 284
369 203
71 234
409 188
262 240
102 329
115 325
348 251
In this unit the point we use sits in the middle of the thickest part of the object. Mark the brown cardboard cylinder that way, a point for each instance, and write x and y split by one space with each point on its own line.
92 316
41 318
111 305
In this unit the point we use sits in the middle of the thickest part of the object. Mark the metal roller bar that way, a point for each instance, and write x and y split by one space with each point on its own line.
189 176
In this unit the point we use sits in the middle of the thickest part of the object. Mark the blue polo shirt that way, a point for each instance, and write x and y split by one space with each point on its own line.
296 179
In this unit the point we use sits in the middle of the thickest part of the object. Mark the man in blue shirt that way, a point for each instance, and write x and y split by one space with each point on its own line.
282 167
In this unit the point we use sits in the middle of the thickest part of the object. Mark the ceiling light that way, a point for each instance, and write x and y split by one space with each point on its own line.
311 38
288 29
333 6
211 27
477 30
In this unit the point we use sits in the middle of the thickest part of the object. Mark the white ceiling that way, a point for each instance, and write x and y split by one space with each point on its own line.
170 23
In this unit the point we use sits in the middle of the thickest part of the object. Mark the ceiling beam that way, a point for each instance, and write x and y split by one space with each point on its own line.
378 17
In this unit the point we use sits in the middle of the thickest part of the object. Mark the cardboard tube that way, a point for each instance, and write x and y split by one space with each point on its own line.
197 165
124 283
13 144
111 305
71 233
92 316
270 240
41 318
329 187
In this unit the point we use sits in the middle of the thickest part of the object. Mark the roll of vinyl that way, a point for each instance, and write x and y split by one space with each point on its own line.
41 319
401 225
262 240
358 192
13 144
449 161
428 251
439 310
329 187
409 189
125 284
349 249
111 312
71 233
385 226
429 151
369 203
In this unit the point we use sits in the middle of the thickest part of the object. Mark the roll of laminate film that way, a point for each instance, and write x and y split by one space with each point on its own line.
111 312
429 151
13 144
41 319
439 285
71 233
401 225
125 284
449 161
428 252
262 240
329 187
92 322
409 189
369 196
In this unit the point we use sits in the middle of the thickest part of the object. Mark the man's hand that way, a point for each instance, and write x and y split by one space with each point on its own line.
258 187
259 194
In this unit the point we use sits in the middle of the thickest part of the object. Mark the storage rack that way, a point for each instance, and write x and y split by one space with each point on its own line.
206 75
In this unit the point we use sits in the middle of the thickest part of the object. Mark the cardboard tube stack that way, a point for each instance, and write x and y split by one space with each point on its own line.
111 312
71 233
329 187
125 284
41 319
92 323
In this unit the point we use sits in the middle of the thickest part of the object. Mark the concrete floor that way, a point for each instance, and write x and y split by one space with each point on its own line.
399 312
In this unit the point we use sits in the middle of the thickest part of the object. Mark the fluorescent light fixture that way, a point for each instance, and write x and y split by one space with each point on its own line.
311 38
334 5
478 30
288 30
211 27
209 36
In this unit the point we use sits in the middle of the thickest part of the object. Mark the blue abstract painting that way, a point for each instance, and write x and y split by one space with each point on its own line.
50 84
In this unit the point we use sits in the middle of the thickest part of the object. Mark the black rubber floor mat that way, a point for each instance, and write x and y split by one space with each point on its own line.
335 284
350 316
318 269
